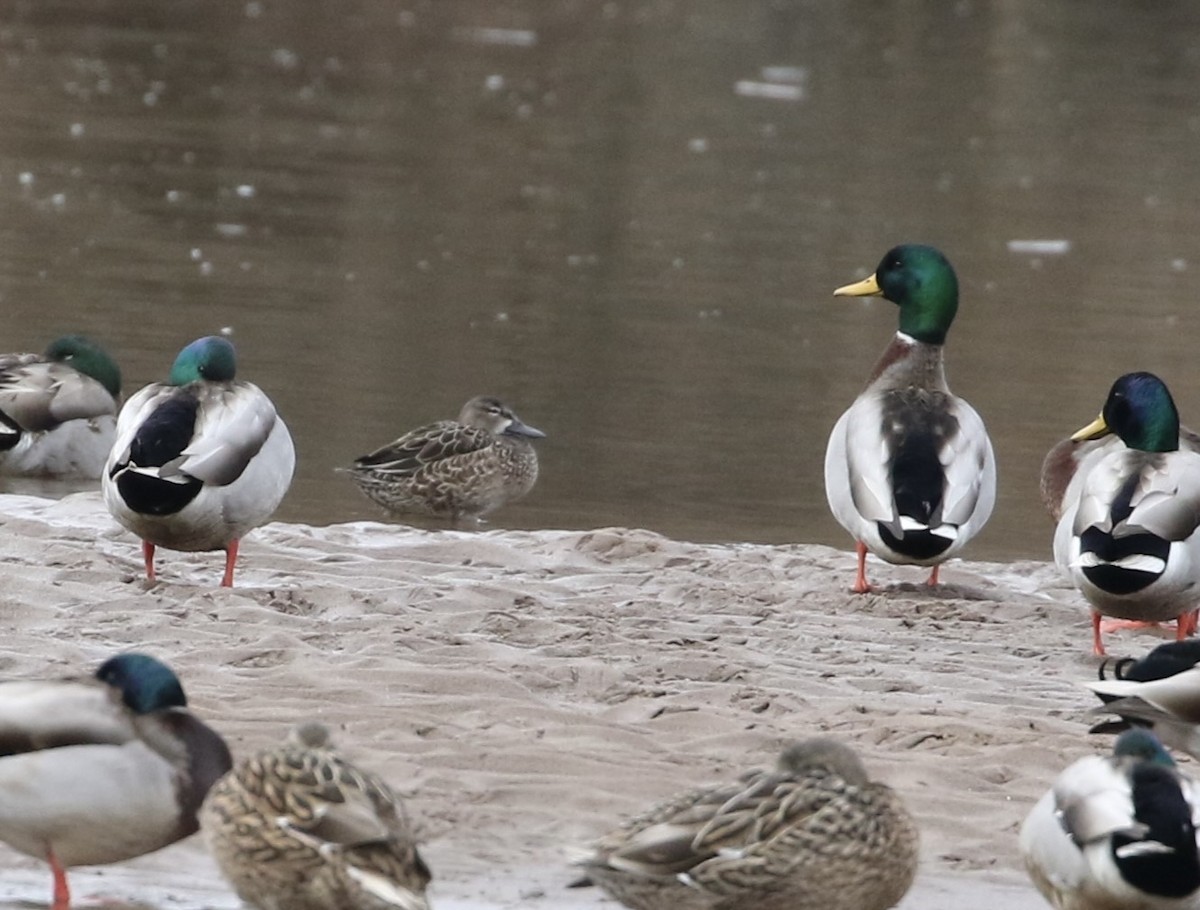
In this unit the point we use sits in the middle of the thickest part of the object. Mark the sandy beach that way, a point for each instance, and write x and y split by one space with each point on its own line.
526 690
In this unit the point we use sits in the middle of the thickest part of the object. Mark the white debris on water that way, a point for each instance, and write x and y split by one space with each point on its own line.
1040 247
231 230
514 37
246 191
774 91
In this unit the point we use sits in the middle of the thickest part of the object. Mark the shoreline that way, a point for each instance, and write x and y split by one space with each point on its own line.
523 691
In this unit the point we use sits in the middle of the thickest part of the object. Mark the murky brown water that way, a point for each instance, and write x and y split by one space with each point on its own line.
599 212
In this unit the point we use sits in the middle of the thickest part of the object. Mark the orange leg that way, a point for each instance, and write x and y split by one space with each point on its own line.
1185 625
62 894
933 576
148 555
231 552
860 581
1097 644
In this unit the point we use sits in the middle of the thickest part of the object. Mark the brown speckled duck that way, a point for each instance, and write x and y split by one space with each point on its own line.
813 834
456 469
300 828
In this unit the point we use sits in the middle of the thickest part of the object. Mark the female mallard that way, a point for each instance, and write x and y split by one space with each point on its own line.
457 469
1128 537
1116 831
909 469
814 834
299 828
1161 691
102 769
58 410
200 459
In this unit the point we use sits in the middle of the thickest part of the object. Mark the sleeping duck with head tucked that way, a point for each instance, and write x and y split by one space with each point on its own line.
199 460
909 469
103 768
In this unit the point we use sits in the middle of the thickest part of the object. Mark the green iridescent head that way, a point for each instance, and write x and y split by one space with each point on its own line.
1141 411
146 684
1139 743
87 357
210 358
921 281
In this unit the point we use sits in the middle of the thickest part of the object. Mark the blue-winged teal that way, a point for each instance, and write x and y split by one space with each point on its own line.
456 469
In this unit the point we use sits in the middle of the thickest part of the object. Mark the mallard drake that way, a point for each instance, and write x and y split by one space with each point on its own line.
102 769
909 470
300 828
814 834
1070 460
1116 831
457 469
200 459
1161 691
58 410
1128 538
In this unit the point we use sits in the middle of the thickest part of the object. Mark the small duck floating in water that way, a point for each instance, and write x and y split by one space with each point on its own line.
200 459
909 469
456 469
58 410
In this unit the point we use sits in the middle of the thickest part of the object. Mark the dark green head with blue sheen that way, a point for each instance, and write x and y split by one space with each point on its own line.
146 684
1140 410
210 358
1139 743
921 281
87 357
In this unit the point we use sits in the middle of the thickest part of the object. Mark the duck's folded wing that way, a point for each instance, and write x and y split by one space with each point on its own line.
232 424
970 469
77 396
426 446
38 715
1093 799
661 841
1166 501
1177 695
868 457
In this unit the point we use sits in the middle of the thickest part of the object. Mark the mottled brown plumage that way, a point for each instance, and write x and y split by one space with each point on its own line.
299 828
813 834
456 469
